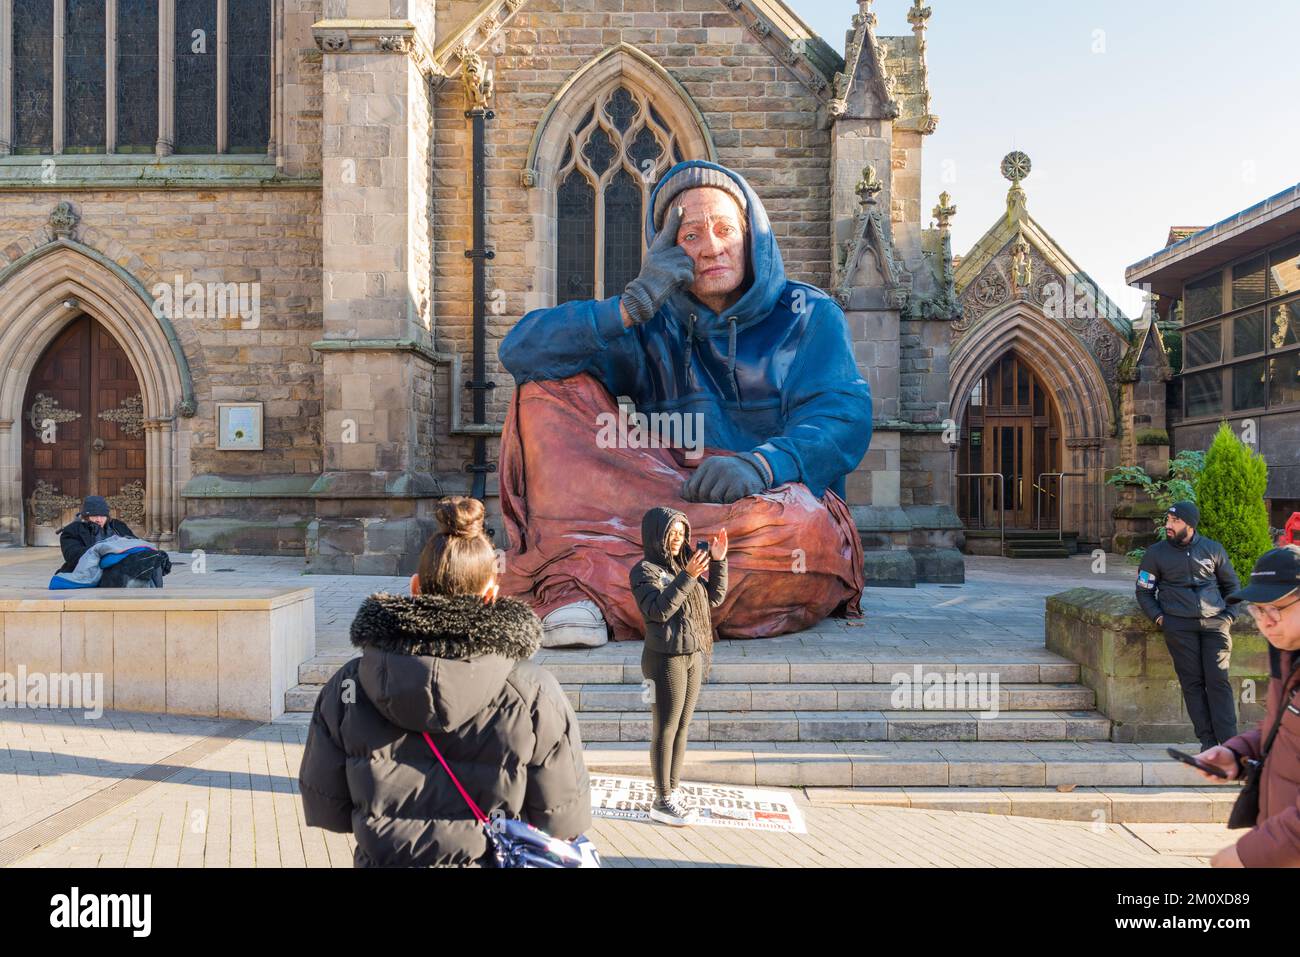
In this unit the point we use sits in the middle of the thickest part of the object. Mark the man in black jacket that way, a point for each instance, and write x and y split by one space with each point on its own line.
90 526
1182 585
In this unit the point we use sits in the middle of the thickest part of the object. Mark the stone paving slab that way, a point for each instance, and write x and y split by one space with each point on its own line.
238 805
1091 804
1000 606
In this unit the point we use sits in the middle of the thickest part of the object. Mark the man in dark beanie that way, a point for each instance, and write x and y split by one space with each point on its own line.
91 525
1183 585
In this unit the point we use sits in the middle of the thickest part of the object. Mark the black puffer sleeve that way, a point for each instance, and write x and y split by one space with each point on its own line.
322 780
558 796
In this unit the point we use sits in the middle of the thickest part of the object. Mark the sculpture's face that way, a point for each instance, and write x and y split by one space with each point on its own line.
676 537
713 232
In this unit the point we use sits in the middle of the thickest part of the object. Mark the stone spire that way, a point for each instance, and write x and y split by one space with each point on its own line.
918 16
944 212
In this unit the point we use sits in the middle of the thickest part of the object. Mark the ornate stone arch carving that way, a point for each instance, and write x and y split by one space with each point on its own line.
1070 373
35 290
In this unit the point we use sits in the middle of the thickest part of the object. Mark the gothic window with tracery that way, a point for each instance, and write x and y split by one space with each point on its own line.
614 156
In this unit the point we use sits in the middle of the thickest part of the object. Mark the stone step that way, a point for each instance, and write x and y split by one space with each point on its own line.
1108 805
856 726
580 668
716 696
910 765
1019 551
760 669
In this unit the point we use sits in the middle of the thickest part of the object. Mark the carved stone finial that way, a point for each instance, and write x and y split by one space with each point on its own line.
945 211
63 220
1016 166
869 186
917 17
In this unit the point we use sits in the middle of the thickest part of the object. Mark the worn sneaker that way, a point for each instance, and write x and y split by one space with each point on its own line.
578 624
679 797
669 812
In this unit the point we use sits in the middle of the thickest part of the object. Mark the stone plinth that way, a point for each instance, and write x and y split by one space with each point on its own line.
1123 658
182 651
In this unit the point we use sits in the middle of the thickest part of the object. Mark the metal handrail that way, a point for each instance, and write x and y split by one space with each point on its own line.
1060 501
1002 504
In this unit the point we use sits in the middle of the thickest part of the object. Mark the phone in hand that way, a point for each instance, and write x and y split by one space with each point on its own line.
1200 766
701 546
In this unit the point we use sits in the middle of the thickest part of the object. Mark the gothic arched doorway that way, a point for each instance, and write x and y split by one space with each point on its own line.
83 432
1011 427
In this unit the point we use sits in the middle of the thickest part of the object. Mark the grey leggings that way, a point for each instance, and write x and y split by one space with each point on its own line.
676 681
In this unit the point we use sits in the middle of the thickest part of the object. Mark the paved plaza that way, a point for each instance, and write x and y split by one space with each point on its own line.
153 790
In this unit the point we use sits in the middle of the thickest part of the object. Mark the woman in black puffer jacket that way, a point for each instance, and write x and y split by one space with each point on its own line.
450 659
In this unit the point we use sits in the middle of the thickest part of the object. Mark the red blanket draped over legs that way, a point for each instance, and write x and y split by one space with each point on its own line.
573 514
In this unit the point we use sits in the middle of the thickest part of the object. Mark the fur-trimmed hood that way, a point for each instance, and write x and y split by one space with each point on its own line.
432 662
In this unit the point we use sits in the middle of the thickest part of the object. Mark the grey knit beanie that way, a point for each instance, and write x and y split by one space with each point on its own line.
690 178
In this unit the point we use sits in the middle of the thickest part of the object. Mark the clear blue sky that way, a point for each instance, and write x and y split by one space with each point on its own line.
1190 112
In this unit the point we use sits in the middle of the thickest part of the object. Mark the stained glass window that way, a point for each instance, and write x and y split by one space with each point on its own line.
137 76
33 59
575 246
84 75
599 151
196 76
622 109
622 232
132 43
623 145
249 61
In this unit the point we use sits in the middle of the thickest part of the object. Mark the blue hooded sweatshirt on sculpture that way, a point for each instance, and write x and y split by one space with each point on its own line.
774 374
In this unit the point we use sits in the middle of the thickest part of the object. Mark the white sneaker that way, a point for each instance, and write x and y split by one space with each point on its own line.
579 624
673 814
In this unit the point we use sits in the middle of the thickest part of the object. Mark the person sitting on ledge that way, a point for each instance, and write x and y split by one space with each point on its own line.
120 558
91 525
710 336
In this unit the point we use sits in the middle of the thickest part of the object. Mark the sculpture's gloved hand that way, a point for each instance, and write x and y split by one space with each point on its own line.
722 479
666 268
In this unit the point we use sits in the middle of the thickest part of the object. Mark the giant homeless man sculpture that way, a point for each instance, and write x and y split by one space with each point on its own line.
712 333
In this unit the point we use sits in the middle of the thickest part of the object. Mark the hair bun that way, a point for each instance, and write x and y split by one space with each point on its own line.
460 516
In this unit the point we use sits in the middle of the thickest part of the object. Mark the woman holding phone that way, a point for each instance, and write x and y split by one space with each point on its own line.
676 605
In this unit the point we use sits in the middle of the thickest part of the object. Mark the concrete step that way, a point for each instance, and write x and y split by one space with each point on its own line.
716 696
910 765
856 726
579 668
1107 805
762 669
1020 551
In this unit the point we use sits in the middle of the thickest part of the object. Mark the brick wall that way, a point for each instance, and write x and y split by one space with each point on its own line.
269 237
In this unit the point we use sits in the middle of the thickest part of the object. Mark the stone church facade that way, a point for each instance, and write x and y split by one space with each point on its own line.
256 298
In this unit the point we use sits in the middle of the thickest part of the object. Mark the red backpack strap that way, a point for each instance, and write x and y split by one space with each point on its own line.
478 814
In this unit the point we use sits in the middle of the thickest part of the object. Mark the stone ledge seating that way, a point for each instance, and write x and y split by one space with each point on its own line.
178 651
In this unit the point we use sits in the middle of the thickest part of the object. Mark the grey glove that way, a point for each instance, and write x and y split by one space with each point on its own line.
722 479
666 268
